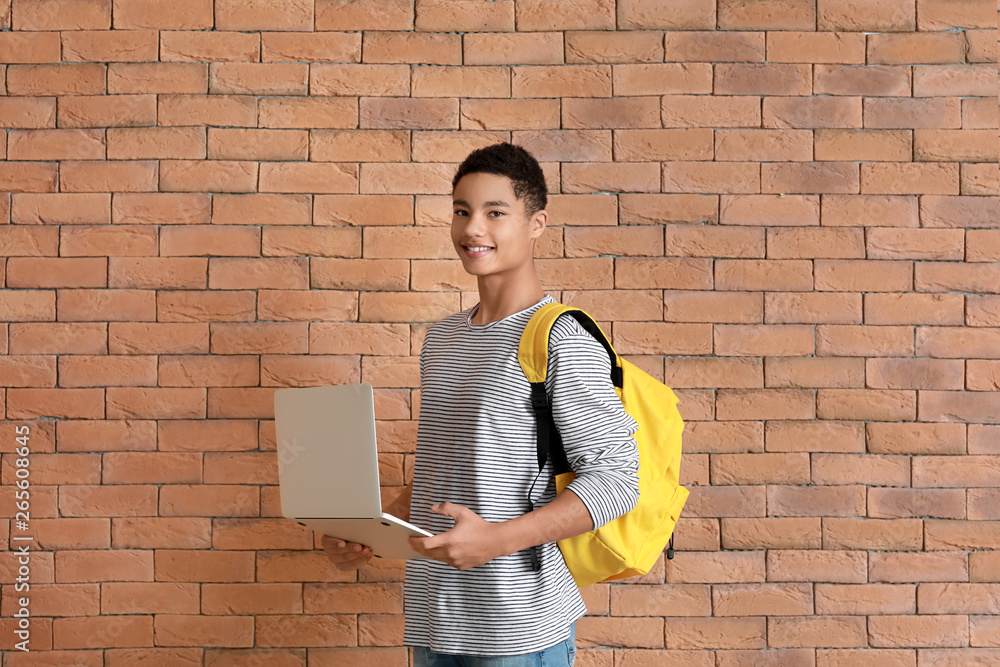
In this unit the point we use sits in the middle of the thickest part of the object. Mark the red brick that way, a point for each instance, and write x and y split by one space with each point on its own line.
29 47
27 177
308 112
662 79
614 112
267 15
811 177
816 566
901 48
813 47
588 177
866 145
715 372
303 630
707 306
714 46
762 599
981 375
941 535
897 15
864 341
769 145
954 145
715 567
915 374
726 177
916 438
198 630
105 46
806 242
983 566
966 212
710 111
770 275
904 503
728 500
650 338
869 210
957 342
820 436
475 16
867 404
163 78
623 632
308 177
873 534
816 501
407 113
763 340
973 80
768 15
225 110
979 179
28 112
312 47
766 404
762 79
862 599
588 15
948 471
861 80
63 79
661 145
379 274
771 533
349 15
760 468
687 15
813 112
772 210
513 48
920 631
798 307
870 469
655 600
864 276
914 308
818 631
632 306
118 631
462 82
209 46
601 46
716 633
62 15
184 15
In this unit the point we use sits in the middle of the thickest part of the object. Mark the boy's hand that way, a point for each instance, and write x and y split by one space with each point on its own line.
346 555
472 541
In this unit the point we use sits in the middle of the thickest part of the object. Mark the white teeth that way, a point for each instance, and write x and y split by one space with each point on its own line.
480 248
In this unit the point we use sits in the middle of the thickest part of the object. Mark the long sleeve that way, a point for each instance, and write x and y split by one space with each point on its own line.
596 431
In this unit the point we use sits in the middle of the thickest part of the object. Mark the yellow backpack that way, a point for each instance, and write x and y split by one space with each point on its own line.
629 545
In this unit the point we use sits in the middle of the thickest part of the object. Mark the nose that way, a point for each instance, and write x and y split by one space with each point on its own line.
475 224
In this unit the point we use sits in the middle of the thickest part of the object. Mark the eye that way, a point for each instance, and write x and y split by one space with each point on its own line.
461 212
495 213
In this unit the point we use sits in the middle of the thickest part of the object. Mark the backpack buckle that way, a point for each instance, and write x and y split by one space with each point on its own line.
539 399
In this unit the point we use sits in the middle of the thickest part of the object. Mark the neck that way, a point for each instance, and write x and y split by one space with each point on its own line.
500 297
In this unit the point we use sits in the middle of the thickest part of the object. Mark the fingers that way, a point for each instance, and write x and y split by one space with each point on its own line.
346 555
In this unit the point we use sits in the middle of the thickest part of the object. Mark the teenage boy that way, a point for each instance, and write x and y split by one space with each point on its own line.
479 597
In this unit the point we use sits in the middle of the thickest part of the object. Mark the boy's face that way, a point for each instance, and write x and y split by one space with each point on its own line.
491 231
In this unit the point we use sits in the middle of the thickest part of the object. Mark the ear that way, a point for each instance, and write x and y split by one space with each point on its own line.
538 223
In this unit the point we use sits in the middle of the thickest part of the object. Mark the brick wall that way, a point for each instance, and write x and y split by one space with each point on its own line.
786 208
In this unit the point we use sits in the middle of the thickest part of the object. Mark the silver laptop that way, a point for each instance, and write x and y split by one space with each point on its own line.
328 467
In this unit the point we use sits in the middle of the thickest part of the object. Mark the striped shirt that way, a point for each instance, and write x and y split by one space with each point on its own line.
476 447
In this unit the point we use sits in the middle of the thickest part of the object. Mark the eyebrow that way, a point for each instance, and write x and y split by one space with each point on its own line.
495 202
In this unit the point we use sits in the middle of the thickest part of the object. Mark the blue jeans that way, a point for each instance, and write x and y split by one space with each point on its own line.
562 654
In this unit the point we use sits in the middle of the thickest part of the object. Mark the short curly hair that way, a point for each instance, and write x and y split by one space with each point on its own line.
514 162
